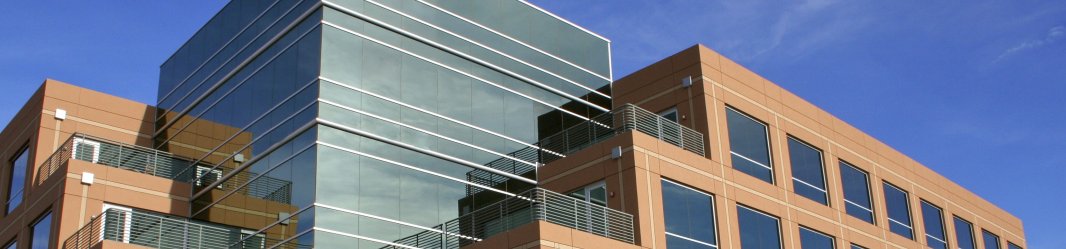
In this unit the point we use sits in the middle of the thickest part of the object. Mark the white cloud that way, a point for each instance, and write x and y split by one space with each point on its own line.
1053 35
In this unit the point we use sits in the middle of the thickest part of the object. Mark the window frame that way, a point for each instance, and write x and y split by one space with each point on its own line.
832 240
907 204
821 158
51 228
24 150
925 223
673 110
869 192
769 144
973 237
714 214
985 236
780 234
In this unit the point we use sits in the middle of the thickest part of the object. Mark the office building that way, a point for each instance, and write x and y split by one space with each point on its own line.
458 124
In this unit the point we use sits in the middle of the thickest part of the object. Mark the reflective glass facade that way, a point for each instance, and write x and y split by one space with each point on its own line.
369 122
749 145
41 235
808 173
18 166
991 240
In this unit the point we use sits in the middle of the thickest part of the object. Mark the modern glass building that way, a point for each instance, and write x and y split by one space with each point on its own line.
458 124
383 119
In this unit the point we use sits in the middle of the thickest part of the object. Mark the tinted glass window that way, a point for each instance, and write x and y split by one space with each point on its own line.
933 219
810 239
1013 246
12 245
854 246
856 184
670 114
808 176
758 230
964 234
749 145
991 240
689 217
899 214
18 179
42 232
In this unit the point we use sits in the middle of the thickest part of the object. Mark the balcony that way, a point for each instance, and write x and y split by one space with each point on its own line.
114 154
625 118
159 231
532 205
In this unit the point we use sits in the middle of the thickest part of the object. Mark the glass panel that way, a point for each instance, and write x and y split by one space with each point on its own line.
808 175
854 246
1013 246
689 217
899 214
758 230
12 245
991 240
42 233
18 179
932 217
856 184
749 145
964 234
810 239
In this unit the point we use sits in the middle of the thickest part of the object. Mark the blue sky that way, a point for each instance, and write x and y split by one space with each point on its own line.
967 88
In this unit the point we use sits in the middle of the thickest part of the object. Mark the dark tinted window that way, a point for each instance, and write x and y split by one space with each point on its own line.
964 234
808 175
810 239
689 217
749 145
899 214
758 230
856 184
1013 246
11 245
991 240
854 246
42 232
18 179
933 218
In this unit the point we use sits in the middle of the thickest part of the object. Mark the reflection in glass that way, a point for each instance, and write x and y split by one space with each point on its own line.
933 218
758 230
749 145
964 234
808 174
856 184
899 214
689 217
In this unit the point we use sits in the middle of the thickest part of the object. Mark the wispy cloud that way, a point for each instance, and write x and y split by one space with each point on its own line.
1053 35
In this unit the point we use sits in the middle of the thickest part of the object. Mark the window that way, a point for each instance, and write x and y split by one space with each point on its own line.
252 240
18 179
933 218
208 176
86 150
811 239
749 145
11 245
991 240
964 234
1013 246
808 175
42 232
670 114
689 217
116 228
856 184
595 193
899 213
854 246
758 230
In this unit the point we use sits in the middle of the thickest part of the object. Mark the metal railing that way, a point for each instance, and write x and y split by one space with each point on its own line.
531 205
115 154
155 231
622 119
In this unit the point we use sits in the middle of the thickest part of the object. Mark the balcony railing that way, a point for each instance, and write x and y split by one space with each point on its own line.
115 154
532 205
156 231
625 118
